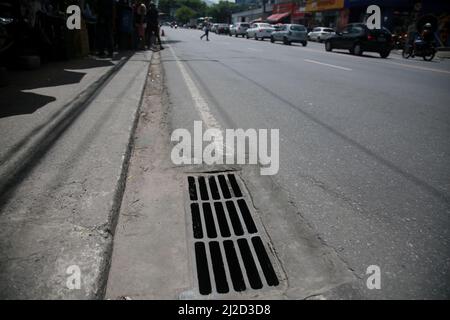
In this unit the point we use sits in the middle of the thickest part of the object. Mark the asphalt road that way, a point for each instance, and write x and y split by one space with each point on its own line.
364 145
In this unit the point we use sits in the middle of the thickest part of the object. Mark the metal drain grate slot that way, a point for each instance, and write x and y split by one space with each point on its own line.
213 187
229 251
249 223
192 189
234 186
209 221
196 221
203 189
222 220
224 186
204 281
235 221
218 267
237 278
249 263
264 261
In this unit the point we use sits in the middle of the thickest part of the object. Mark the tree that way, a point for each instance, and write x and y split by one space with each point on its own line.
221 12
198 6
184 14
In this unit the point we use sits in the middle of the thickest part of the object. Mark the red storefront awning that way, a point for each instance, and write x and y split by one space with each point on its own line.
278 16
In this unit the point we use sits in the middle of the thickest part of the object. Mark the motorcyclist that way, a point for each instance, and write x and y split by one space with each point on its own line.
427 33
426 37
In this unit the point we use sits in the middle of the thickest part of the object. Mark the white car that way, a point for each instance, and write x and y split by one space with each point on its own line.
260 31
320 34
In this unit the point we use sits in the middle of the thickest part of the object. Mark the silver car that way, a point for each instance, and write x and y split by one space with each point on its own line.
289 33
239 29
320 34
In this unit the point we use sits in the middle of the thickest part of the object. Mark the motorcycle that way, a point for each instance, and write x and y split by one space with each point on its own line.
422 49
399 40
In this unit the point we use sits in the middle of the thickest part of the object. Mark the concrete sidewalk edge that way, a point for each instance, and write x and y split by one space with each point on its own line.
118 195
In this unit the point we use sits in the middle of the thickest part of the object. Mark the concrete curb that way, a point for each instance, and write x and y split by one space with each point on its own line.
119 192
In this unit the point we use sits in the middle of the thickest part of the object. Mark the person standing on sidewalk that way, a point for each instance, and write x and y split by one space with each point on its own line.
153 26
139 20
105 26
206 30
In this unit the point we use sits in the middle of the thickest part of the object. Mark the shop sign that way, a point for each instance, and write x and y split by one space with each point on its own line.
321 5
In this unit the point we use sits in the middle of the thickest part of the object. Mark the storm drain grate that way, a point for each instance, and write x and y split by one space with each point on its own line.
229 251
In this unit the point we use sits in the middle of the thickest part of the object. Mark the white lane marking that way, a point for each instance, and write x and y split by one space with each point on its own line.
253 49
382 61
201 105
199 102
328 65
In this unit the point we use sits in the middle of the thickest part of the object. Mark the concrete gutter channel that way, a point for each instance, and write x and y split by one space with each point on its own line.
153 247
82 204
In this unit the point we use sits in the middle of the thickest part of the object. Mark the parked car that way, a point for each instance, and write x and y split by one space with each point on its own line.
320 34
357 38
222 28
289 33
278 26
240 29
259 31
214 27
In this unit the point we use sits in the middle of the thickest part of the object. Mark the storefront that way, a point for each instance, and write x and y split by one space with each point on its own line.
323 13
282 13
437 13
395 14
254 15
299 15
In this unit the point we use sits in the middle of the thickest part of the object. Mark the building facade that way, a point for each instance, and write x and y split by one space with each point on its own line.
399 16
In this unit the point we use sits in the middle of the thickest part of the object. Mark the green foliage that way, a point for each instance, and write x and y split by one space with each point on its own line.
184 13
168 6
221 12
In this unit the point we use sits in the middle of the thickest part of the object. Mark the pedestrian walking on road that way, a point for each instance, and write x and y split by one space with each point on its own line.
206 30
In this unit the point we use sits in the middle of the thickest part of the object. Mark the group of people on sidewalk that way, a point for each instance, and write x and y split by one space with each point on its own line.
146 19
122 25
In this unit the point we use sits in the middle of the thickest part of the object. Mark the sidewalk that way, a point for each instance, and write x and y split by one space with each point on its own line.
34 99
65 141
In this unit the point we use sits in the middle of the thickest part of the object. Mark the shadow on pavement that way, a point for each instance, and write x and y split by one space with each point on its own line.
170 41
14 98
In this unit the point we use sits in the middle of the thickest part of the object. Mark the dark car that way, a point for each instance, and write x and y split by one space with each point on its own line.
357 38
223 28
